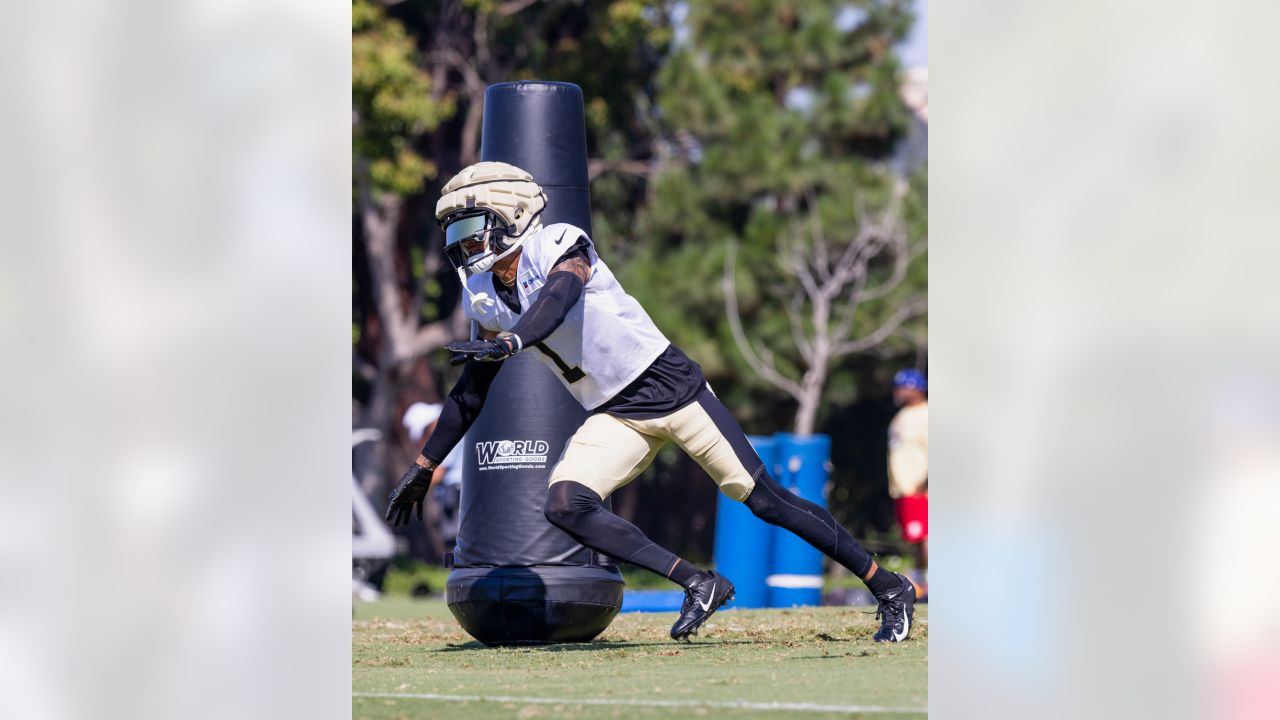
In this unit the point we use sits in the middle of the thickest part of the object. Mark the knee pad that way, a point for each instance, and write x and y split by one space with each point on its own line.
567 501
738 486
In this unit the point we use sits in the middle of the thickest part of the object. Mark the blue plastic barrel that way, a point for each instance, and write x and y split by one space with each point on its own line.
652 601
743 542
796 574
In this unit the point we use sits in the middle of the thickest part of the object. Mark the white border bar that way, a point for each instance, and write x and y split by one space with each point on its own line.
726 705
794 581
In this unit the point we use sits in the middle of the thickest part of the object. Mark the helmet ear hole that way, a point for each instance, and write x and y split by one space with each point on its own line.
519 212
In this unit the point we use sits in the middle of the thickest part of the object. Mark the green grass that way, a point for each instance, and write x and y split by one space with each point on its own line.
823 656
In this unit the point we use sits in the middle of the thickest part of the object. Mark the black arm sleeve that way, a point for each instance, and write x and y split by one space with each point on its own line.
558 296
461 408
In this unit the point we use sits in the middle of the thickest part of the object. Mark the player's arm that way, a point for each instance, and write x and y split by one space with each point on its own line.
562 291
564 287
460 410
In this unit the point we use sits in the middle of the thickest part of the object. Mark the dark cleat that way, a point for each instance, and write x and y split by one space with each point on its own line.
896 611
700 602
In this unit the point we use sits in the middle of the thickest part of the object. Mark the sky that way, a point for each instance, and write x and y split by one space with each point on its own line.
915 49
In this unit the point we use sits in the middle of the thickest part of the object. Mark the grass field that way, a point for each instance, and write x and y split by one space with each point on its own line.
810 663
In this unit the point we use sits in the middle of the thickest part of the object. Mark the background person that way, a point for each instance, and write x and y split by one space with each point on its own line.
446 483
909 465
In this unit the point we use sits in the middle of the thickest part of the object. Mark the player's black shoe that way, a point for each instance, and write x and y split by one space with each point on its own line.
700 601
896 611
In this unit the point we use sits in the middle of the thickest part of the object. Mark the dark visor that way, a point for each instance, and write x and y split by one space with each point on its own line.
470 226
465 227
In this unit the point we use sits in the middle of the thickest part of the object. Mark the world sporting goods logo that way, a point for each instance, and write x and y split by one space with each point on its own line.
511 454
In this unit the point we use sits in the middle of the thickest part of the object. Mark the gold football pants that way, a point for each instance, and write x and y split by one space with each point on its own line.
608 452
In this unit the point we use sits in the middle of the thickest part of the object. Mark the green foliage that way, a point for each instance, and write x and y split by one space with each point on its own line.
393 102
774 109
406 574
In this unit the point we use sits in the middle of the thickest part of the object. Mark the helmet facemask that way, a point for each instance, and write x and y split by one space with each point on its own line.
475 239
487 210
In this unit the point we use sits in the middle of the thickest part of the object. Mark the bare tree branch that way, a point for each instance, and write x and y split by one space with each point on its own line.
850 308
792 258
451 57
883 332
434 335
919 249
848 259
877 235
822 259
797 327
853 260
475 87
830 289
901 259
893 236
480 39
511 7
765 370
600 166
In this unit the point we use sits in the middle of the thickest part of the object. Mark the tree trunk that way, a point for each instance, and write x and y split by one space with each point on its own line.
381 218
471 131
810 397
378 412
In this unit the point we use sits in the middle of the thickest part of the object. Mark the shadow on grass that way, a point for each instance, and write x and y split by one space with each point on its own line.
603 645
599 645
836 656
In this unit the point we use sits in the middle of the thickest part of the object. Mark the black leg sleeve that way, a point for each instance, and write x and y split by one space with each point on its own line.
577 510
778 506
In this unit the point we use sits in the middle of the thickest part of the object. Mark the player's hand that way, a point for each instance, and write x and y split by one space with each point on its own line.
499 348
411 491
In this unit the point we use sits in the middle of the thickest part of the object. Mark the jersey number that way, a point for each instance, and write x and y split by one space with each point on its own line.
571 374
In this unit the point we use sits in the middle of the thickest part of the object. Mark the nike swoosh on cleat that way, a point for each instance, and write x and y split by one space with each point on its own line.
707 605
906 626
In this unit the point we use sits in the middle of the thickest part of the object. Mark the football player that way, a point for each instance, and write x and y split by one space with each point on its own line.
544 289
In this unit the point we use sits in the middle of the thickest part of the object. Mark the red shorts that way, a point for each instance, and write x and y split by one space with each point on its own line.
913 516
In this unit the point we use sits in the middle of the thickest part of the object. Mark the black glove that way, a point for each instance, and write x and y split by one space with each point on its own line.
411 491
499 348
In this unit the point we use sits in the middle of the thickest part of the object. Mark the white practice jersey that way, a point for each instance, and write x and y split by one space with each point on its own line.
606 341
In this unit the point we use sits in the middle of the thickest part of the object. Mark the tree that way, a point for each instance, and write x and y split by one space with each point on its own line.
830 278
779 119
393 107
